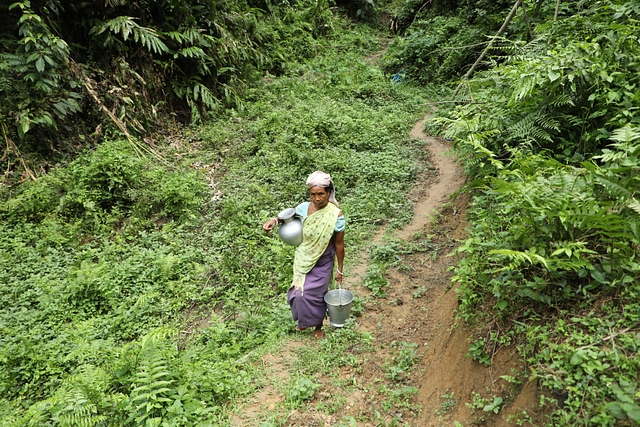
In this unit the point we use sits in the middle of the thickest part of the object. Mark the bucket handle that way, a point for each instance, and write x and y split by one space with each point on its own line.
340 293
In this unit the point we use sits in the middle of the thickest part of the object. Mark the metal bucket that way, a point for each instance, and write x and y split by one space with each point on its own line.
339 306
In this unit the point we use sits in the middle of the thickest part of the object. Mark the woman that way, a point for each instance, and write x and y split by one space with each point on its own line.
319 258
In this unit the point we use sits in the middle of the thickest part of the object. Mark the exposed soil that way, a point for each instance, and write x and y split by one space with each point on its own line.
419 308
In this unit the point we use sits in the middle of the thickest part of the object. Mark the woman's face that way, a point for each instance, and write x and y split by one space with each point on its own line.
319 197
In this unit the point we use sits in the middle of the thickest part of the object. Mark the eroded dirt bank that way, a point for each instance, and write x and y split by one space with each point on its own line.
419 309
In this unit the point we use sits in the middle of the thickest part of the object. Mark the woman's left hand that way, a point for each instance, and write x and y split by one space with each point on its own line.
339 277
270 225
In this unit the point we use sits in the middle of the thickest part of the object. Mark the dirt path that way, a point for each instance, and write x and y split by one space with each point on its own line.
417 313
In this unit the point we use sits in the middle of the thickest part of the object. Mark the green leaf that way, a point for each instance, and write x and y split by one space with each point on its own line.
599 276
576 359
553 76
614 409
633 412
24 126
534 295
635 205
40 64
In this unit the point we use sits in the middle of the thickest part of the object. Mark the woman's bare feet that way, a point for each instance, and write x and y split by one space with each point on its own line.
318 333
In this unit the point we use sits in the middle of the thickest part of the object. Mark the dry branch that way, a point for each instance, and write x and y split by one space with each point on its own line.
11 147
86 82
141 149
611 336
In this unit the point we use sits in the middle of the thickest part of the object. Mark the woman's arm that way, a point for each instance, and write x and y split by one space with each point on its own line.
340 255
270 225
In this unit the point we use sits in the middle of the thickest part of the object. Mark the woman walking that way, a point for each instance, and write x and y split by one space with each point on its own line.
319 258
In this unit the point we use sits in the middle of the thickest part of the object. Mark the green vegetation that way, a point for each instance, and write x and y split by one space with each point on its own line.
136 290
388 254
551 141
437 40
302 390
403 362
75 72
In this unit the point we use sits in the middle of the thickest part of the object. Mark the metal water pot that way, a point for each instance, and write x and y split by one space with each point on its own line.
290 231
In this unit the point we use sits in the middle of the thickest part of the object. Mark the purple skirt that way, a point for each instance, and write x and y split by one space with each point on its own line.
310 309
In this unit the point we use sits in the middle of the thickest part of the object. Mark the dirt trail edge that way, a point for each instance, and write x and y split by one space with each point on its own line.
417 313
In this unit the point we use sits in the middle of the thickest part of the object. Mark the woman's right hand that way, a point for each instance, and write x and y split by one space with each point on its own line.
269 225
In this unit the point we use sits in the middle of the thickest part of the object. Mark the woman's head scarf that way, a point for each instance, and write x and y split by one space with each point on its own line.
321 179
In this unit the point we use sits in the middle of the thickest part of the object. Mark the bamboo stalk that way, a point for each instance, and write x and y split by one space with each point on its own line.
486 49
87 85
419 10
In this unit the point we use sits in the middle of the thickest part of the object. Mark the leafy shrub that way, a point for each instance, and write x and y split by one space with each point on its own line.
564 100
71 75
553 238
553 244
38 87
404 361
484 14
108 183
343 346
434 50
302 390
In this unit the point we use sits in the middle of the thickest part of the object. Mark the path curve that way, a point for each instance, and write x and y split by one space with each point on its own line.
419 310
450 179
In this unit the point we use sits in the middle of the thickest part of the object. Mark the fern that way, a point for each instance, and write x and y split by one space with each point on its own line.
624 146
14 62
561 100
192 35
525 87
126 27
613 187
534 127
634 205
519 258
153 383
628 133
81 401
204 94
191 52
79 411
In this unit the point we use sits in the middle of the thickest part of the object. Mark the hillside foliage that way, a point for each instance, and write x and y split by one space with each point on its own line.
73 72
550 137
136 290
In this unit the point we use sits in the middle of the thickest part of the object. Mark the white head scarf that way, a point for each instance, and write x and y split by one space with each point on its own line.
321 179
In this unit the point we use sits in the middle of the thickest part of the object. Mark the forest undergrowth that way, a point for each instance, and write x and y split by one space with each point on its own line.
551 137
137 290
